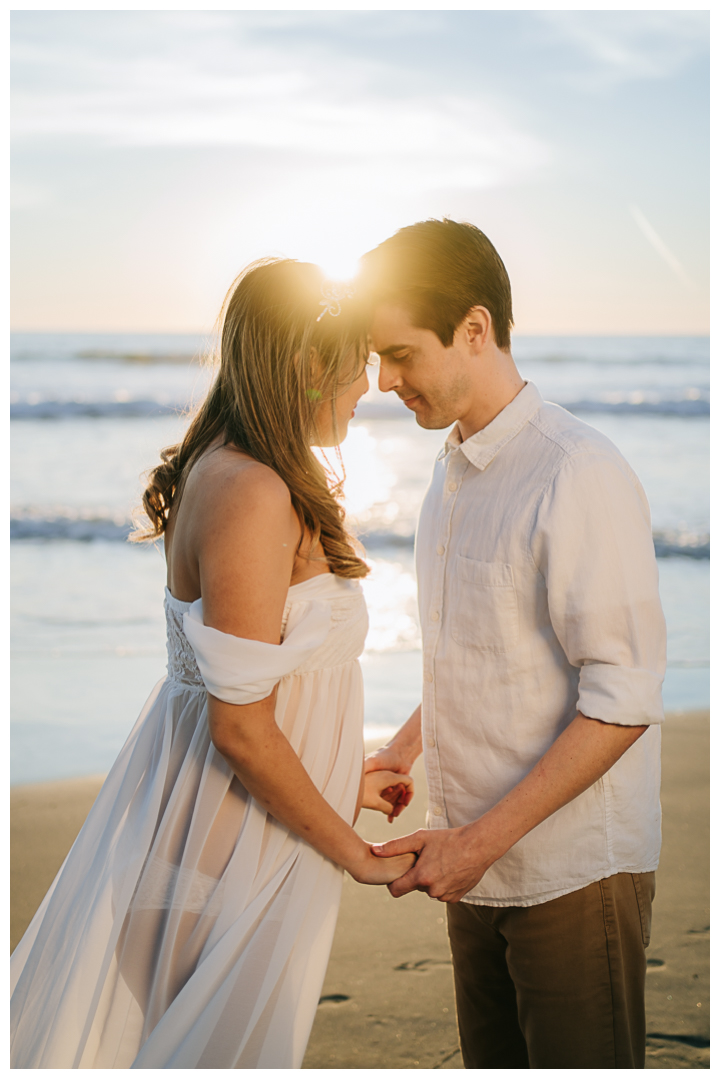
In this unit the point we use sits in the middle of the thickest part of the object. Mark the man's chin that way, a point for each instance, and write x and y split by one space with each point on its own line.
432 421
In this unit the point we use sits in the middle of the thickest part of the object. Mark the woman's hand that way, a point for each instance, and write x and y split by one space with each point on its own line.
368 869
388 792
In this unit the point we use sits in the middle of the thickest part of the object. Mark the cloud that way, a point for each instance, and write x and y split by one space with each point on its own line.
216 83
614 47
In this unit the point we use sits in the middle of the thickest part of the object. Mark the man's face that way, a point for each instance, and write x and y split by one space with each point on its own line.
431 380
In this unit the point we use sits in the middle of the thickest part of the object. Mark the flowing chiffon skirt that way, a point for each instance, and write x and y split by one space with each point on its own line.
187 928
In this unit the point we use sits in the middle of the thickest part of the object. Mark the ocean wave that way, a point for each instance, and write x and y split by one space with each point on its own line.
143 358
101 410
668 542
86 528
642 405
68 527
691 403
140 357
382 538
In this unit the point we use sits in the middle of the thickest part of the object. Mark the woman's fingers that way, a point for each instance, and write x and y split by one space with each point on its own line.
387 791
392 869
393 794
399 796
405 862
387 778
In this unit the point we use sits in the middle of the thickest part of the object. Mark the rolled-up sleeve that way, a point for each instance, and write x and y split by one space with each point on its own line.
593 545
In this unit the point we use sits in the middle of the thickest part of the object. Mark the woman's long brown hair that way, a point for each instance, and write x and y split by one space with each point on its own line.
276 363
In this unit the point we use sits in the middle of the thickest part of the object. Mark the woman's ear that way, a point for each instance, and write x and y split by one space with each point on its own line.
314 369
314 375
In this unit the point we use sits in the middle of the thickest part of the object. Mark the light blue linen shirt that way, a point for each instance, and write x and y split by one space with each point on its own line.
538 593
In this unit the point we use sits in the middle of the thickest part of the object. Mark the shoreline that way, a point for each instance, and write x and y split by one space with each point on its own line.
387 1001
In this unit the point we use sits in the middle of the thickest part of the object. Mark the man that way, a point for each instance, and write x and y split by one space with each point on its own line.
543 660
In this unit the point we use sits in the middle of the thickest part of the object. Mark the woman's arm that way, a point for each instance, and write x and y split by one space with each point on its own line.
247 534
266 764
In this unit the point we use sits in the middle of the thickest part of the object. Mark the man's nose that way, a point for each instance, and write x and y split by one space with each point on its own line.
388 377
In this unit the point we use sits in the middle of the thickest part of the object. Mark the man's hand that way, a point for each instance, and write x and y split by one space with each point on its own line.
450 862
386 759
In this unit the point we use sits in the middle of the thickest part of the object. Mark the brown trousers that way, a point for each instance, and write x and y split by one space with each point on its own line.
557 986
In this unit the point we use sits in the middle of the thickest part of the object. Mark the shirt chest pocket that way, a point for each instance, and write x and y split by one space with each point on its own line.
483 605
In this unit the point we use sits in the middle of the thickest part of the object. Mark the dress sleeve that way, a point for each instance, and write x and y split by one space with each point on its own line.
242 670
593 545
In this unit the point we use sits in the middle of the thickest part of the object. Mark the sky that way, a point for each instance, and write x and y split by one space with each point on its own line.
155 153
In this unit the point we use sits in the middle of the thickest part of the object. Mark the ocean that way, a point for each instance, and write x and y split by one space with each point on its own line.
89 413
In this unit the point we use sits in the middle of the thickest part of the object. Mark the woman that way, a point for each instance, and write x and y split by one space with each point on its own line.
191 923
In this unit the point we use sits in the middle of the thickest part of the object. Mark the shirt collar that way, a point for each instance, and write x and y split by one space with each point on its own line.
481 448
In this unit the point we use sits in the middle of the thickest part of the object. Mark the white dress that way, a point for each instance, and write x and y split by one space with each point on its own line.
187 928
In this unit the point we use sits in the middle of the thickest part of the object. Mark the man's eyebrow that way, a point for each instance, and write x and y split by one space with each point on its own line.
390 349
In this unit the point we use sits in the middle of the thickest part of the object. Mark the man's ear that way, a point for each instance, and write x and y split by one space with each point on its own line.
478 328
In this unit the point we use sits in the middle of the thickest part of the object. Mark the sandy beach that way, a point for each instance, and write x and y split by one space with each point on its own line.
387 1001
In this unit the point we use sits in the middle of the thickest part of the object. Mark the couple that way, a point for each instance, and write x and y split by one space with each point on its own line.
192 921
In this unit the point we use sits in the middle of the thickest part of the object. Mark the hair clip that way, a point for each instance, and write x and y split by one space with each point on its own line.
332 293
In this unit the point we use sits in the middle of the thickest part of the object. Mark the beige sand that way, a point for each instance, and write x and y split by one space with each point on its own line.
388 999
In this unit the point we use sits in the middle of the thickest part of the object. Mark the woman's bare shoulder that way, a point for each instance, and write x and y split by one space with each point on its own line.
244 534
232 493
227 476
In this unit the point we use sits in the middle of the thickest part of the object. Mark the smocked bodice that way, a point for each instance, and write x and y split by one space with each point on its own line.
341 639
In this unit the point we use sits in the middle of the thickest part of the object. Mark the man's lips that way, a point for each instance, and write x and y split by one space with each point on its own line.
410 401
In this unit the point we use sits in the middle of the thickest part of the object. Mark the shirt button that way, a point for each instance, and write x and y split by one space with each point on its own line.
435 616
428 676
452 486
437 811
431 743
440 549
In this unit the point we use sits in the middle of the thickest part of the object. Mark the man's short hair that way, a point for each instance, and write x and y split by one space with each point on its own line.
439 270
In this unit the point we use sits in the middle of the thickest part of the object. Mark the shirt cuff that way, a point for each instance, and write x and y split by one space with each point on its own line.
620 695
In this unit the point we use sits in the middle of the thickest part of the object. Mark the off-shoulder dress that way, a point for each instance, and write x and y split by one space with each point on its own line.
187 927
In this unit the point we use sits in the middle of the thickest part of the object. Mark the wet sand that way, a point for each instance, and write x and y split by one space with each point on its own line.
387 1002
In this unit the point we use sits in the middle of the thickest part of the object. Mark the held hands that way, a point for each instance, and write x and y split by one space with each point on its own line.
398 758
389 758
450 862
386 791
368 869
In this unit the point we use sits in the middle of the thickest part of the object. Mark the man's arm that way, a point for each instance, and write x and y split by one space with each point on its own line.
400 753
452 861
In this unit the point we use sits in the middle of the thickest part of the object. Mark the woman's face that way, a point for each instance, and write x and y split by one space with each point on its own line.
345 403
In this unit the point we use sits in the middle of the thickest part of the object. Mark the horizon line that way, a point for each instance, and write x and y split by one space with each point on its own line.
515 334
